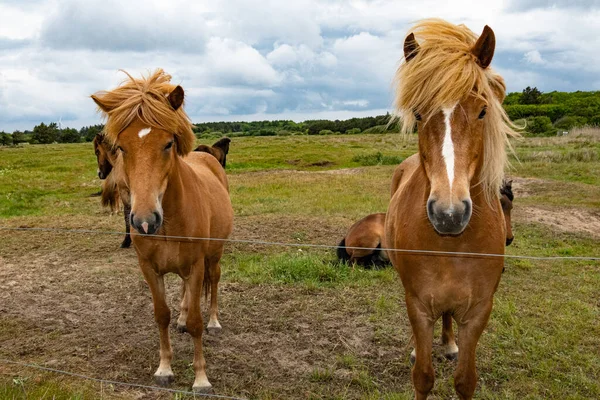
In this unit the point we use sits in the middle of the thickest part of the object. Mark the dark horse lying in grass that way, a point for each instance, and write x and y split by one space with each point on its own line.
368 235
219 150
106 155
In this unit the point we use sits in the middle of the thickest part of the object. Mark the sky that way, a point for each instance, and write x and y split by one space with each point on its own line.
267 59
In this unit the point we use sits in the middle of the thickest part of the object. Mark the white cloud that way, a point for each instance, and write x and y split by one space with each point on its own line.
270 57
534 57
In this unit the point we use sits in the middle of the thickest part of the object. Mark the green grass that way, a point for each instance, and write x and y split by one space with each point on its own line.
544 334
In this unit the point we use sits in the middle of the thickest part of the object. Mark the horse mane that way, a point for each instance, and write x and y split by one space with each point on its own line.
506 189
146 99
223 144
443 72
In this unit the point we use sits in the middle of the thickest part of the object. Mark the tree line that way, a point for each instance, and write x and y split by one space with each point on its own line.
545 113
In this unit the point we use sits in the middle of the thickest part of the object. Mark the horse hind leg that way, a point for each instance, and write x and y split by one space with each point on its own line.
448 340
214 275
183 309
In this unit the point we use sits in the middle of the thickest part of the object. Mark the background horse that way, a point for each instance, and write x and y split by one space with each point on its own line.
106 156
368 232
219 150
173 193
450 201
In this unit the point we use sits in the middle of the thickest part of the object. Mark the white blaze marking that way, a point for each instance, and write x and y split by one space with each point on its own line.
448 146
144 132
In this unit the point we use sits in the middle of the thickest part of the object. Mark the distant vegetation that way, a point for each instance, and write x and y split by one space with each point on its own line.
545 114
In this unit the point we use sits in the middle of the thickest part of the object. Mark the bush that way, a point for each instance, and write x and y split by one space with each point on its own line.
570 121
353 131
377 159
325 132
540 126
595 120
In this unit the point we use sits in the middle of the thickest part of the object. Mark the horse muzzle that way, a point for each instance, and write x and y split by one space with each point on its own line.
509 240
450 220
147 225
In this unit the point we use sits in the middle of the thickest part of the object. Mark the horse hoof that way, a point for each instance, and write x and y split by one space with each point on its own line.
181 328
164 380
202 389
451 356
126 244
214 330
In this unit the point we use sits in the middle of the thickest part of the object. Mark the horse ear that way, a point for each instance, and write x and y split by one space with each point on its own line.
101 105
509 183
176 97
411 47
484 48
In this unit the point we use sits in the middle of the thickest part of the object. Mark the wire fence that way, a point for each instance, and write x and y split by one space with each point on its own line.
304 245
251 242
118 383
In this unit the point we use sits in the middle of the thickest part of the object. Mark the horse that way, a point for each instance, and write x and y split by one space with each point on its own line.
106 156
219 150
368 232
173 192
449 202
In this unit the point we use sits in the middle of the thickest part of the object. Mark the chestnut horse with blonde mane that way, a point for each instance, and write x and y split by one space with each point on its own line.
172 193
449 201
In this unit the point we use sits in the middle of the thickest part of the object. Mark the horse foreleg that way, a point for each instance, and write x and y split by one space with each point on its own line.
465 376
448 340
423 374
162 315
195 326
126 213
183 309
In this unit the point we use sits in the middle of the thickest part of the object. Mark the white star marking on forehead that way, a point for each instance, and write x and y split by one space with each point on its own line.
144 132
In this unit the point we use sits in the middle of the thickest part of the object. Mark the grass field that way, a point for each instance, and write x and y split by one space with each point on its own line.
296 324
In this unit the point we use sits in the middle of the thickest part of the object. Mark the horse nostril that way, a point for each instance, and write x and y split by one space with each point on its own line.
157 219
430 205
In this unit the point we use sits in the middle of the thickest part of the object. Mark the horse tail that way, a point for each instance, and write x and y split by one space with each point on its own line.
342 254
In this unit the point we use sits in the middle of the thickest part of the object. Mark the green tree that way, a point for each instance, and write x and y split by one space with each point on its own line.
530 96
45 134
18 137
69 135
5 139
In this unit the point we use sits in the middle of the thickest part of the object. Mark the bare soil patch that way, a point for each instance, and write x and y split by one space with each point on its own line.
564 219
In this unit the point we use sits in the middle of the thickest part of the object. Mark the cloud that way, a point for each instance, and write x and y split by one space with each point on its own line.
534 57
121 26
272 58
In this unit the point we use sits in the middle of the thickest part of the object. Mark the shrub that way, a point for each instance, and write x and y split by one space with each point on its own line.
377 159
325 132
540 126
569 121
353 131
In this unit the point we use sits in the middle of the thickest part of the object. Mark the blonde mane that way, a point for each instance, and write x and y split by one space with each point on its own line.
146 99
444 71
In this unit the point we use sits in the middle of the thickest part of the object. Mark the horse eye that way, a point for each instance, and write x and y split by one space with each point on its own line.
97 153
169 145
482 113
417 116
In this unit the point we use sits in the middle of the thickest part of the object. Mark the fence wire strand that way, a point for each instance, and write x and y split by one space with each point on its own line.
305 245
111 382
